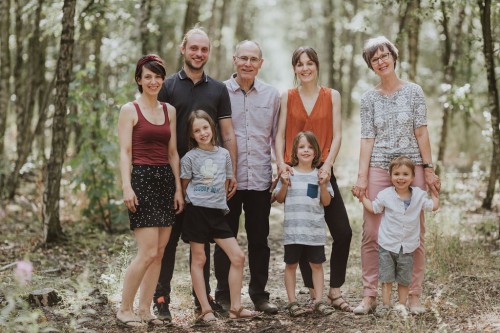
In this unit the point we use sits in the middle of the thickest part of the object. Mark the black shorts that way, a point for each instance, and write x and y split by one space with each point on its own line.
203 225
314 254
154 186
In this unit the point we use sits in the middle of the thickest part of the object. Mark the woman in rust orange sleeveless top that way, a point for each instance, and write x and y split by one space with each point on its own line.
310 107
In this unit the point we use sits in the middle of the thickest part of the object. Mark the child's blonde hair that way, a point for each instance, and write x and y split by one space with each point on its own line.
200 114
402 160
311 138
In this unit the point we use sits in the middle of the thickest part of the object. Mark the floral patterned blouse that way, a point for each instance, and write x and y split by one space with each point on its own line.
391 120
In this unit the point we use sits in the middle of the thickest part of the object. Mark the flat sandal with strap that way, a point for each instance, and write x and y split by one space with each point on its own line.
343 306
200 320
238 316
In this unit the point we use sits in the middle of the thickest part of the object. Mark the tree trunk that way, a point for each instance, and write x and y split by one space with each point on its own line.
25 132
218 71
145 17
20 81
190 19
19 76
353 69
404 13
413 32
329 36
448 76
449 64
243 22
485 9
51 222
4 82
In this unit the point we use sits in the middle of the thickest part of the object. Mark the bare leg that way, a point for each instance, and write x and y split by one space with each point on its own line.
318 281
147 244
235 279
197 262
150 279
386 293
290 280
403 294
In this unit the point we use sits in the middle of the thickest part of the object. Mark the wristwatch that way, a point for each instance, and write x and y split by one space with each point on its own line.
428 165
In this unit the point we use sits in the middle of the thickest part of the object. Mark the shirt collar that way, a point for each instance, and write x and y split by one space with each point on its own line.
234 86
182 75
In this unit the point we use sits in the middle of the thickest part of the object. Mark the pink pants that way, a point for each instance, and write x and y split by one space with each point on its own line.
378 179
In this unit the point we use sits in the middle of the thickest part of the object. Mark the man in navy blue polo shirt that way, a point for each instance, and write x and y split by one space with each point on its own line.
189 90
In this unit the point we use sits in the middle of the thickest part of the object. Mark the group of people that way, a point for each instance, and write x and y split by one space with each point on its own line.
196 153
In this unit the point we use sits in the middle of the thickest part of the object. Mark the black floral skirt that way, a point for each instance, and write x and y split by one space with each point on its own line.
154 187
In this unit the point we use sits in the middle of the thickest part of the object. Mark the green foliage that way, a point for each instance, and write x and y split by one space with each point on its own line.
96 144
445 254
489 229
17 313
111 280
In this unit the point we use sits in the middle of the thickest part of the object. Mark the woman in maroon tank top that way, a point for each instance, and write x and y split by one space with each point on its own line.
149 166
311 107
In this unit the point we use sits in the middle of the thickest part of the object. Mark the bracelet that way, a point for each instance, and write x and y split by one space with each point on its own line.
428 165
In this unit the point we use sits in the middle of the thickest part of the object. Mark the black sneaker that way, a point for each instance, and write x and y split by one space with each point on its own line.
162 311
224 303
266 307
218 308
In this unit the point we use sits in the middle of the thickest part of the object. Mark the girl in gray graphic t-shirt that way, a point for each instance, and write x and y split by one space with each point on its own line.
205 173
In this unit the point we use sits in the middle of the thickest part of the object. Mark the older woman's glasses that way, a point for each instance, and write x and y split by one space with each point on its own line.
383 57
244 60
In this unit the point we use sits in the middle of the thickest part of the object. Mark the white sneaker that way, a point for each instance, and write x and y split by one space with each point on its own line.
401 310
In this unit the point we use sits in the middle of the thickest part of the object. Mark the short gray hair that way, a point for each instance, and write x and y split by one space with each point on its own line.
372 45
237 48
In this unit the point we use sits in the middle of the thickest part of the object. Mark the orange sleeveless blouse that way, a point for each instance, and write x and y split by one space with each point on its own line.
319 121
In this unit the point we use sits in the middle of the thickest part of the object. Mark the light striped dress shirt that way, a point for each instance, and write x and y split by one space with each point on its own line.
255 119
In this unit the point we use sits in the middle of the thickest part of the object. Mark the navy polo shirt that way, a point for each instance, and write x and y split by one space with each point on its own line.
207 94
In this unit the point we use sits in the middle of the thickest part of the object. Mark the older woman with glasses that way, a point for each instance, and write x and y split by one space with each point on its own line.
393 123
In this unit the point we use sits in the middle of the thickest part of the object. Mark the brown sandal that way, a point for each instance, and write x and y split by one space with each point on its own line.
343 306
238 316
201 321
295 310
322 309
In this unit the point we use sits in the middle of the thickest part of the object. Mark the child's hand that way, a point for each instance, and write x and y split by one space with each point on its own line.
323 177
285 177
362 196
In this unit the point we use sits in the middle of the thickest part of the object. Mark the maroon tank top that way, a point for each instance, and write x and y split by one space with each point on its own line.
150 141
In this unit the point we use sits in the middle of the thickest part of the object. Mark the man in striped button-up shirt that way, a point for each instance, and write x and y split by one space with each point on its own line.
255 107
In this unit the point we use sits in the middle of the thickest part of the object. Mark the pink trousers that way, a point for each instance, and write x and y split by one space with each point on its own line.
378 179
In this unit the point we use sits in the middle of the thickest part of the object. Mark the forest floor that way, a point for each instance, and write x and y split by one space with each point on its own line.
462 280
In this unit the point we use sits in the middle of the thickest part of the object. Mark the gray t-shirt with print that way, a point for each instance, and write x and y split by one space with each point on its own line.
208 171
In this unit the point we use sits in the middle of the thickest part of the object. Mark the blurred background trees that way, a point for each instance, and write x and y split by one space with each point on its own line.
449 47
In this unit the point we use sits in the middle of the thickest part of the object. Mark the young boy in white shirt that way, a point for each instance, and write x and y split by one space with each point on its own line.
399 231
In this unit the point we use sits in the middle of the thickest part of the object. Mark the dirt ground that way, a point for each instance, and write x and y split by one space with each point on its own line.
462 287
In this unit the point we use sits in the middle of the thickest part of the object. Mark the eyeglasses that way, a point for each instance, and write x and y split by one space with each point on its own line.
244 60
383 57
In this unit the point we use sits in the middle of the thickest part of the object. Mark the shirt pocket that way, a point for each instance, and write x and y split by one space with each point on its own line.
312 190
263 117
